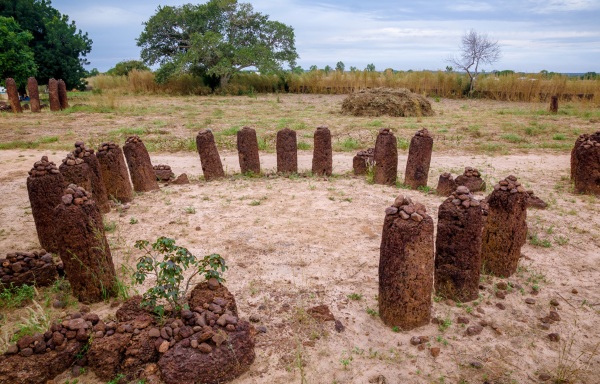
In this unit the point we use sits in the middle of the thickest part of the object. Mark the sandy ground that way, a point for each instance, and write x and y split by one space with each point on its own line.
294 243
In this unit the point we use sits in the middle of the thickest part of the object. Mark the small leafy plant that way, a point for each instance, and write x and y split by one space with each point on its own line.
167 262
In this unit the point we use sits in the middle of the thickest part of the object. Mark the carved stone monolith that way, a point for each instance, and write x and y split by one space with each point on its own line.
322 163
247 146
140 166
53 95
287 151
34 95
419 159
386 158
13 95
212 168
62 94
446 184
114 172
363 161
585 164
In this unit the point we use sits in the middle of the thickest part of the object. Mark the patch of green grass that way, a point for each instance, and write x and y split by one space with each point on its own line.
110 227
21 144
559 136
355 296
190 210
303 146
403 143
348 144
445 324
133 221
127 131
13 297
538 242
232 131
372 312
513 138
375 123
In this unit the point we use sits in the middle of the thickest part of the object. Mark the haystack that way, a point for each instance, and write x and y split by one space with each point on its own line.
386 101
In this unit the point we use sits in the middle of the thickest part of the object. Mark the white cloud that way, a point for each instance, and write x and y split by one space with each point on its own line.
550 6
471 6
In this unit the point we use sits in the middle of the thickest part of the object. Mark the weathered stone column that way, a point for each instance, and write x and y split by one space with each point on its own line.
114 172
97 182
45 186
458 247
471 179
505 229
585 164
76 171
419 159
53 95
13 95
386 158
140 166
247 146
212 168
62 94
554 104
287 151
34 95
83 248
446 184
163 172
27 268
406 265
362 161
322 162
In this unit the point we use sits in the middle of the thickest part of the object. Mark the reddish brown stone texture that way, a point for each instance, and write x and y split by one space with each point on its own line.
554 104
31 268
97 186
83 247
13 95
585 164
247 146
322 162
406 265
76 171
386 158
363 161
419 159
45 188
53 95
163 172
34 95
62 94
535 201
458 247
471 179
505 229
114 172
287 151
212 168
140 166
446 184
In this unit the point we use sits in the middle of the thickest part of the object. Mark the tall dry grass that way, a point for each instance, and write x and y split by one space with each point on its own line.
507 87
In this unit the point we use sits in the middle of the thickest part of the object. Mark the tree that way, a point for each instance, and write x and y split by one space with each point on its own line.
370 67
216 39
16 58
340 66
313 68
475 49
59 49
124 67
327 69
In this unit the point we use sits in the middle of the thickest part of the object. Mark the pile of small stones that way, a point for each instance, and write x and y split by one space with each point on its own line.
43 168
163 172
17 264
423 132
75 195
204 326
510 184
587 141
76 326
406 209
133 139
105 147
471 172
462 197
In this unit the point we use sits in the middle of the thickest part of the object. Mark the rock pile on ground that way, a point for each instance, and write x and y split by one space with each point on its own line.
535 201
471 179
398 102
31 268
163 172
363 161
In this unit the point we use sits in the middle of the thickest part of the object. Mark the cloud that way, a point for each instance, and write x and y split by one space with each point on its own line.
550 6
471 6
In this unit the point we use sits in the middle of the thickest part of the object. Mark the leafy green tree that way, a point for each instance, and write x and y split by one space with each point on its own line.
370 67
59 49
313 68
340 66
16 58
124 67
327 69
218 38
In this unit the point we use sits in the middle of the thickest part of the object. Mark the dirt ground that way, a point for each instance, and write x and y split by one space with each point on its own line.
292 243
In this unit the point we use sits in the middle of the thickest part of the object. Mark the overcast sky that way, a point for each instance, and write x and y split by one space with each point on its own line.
555 35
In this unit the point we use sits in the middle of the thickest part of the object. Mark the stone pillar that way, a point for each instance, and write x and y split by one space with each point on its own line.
212 168
34 95
114 172
53 95
322 163
13 95
287 151
76 171
97 182
163 172
458 247
554 104
45 186
446 184
27 268
471 179
140 166
362 161
406 265
247 146
505 229
585 164
419 159
62 94
83 248
386 158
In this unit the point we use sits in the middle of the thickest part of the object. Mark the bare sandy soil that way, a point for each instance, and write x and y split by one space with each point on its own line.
294 243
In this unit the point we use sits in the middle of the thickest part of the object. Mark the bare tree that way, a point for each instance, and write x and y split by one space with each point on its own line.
475 49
